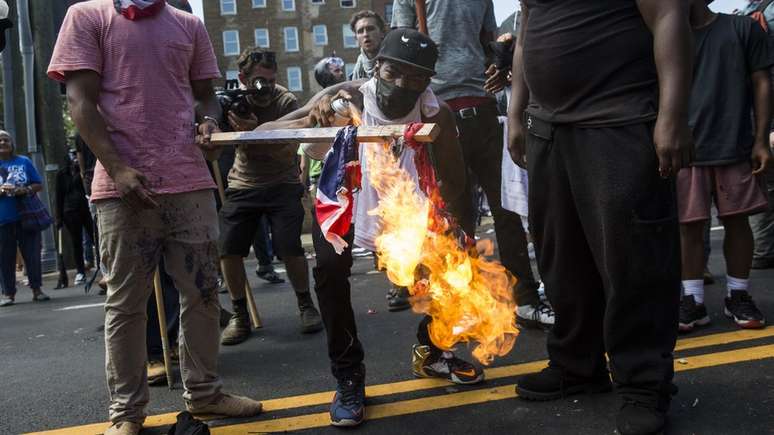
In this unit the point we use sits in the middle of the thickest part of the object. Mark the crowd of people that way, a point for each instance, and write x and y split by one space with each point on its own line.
623 132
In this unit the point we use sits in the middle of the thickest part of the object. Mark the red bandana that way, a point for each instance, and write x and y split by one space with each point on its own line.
138 9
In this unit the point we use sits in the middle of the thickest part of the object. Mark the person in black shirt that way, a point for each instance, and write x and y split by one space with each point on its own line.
598 116
72 210
731 82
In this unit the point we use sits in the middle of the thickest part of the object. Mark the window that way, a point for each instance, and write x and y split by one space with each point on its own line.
294 79
350 41
318 2
347 3
291 39
388 13
259 3
232 74
228 7
231 42
262 38
320 32
288 5
348 69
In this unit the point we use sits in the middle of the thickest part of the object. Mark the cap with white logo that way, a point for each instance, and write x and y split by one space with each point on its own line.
410 47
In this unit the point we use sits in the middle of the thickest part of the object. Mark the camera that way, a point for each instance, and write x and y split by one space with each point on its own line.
231 98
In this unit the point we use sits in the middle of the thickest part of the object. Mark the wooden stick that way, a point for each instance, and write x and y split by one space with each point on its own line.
428 133
252 308
163 328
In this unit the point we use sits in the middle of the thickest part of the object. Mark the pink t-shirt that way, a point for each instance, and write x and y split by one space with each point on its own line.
146 98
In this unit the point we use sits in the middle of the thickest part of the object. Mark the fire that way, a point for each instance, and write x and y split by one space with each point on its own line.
469 297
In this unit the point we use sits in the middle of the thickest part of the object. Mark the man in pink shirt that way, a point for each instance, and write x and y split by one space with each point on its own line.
135 70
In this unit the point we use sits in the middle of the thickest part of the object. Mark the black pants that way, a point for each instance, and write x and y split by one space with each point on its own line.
481 138
76 221
608 248
331 283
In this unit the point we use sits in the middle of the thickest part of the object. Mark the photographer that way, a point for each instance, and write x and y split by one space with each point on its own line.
264 181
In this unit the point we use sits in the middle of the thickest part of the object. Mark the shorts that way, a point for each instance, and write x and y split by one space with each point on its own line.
735 189
243 209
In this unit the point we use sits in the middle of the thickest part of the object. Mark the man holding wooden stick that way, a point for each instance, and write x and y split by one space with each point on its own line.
134 71
264 181
397 94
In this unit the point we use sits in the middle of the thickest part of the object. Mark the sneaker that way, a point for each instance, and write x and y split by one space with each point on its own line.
79 279
238 329
552 383
124 428
310 320
270 276
708 278
225 317
6 301
398 299
157 374
445 366
227 405
742 309
691 314
348 406
40 297
535 316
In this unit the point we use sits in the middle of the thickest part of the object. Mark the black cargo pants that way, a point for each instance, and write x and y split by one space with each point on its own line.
608 248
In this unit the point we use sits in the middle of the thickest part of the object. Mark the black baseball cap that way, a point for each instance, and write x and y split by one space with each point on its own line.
410 47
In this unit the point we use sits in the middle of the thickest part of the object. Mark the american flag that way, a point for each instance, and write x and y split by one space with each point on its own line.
340 177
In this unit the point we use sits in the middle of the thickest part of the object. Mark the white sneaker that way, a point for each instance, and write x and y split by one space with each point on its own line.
535 316
79 279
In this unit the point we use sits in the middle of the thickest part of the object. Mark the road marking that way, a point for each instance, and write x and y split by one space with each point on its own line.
322 398
446 401
80 307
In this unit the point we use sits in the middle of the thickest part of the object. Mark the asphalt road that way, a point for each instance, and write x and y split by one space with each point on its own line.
52 376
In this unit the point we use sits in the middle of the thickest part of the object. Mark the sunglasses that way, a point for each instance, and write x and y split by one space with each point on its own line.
262 57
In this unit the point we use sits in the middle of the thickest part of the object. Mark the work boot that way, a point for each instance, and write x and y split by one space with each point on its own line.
553 383
227 405
124 428
310 317
238 329
157 374
643 412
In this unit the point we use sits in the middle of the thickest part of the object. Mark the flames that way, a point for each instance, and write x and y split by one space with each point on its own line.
469 297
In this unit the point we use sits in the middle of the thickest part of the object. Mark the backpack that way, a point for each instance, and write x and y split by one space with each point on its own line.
188 425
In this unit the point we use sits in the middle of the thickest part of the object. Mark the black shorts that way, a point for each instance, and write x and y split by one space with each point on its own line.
240 216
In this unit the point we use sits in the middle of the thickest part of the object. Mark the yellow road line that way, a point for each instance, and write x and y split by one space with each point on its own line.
453 400
322 398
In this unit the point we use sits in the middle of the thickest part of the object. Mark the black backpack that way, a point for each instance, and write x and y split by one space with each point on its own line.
188 425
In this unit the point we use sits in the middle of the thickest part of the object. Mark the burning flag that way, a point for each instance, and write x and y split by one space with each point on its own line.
469 298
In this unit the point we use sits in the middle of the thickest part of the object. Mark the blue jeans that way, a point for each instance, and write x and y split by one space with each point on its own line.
11 236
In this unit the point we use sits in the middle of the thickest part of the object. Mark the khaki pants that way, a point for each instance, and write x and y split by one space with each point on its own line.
184 229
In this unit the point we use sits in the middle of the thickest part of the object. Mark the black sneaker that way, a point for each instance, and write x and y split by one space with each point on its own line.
348 406
445 366
398 299
742 309
691 314
552 383
270 276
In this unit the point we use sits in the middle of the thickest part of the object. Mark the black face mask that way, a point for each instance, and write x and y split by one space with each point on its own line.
394 101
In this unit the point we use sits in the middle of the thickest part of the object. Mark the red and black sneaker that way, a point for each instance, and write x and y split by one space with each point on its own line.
742 309
444 365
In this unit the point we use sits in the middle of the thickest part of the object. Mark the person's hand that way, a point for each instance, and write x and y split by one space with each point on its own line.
517 137
496 79
761 157
20 191
322 114
674 146
242 124
132 186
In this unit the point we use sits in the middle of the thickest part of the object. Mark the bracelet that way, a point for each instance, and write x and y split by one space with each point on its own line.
210 118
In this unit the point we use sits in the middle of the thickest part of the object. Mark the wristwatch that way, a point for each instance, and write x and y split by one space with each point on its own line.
210 118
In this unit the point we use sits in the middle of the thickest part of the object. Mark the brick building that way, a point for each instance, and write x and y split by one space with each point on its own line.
300 31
